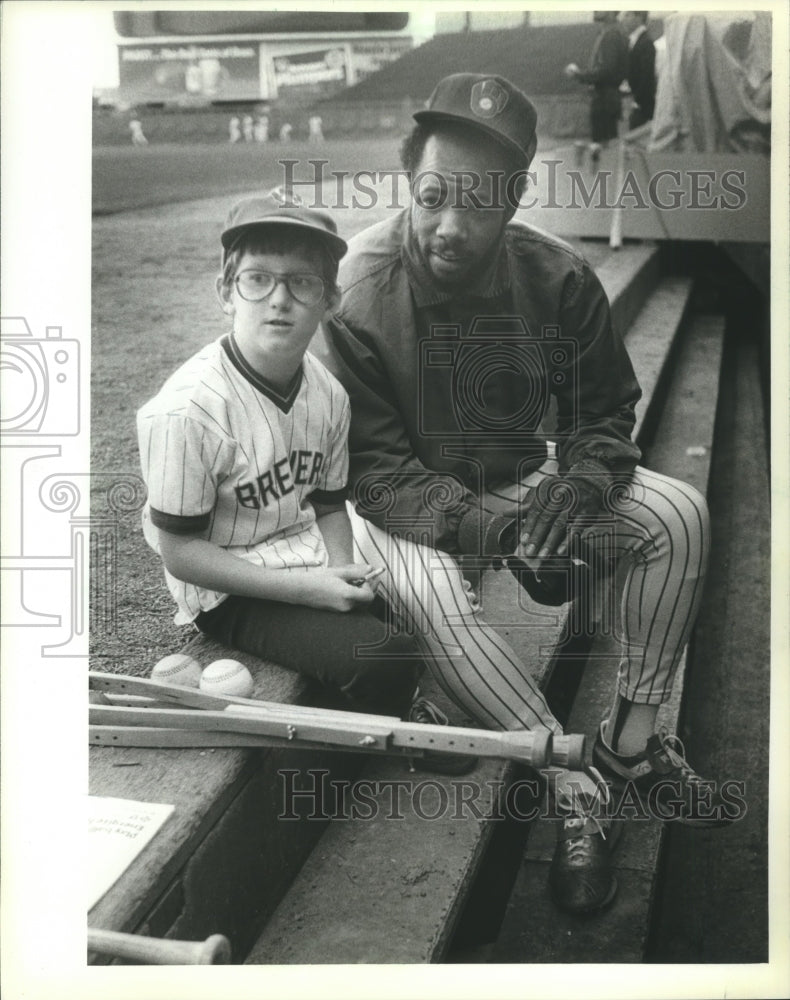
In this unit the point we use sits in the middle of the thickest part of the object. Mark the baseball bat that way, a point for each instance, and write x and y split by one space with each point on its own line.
215 950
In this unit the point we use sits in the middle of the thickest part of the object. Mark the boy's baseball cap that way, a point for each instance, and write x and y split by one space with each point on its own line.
490 103
280 207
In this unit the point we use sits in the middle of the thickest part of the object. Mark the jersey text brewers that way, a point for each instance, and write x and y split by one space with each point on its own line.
227 457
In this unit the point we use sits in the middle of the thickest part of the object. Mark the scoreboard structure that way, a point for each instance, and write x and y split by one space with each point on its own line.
210 57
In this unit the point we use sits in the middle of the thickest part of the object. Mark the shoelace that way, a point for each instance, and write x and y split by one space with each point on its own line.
677 755
426 712
571 803
580 848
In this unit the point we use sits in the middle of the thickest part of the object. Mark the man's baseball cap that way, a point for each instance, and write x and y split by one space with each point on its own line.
490 103
280 207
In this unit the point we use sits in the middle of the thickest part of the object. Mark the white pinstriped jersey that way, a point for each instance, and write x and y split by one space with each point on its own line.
227 457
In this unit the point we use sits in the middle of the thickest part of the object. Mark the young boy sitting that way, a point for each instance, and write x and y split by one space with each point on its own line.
244 454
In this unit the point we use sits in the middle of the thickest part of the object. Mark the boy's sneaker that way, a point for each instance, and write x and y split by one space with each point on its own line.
666 783
581 876
425 712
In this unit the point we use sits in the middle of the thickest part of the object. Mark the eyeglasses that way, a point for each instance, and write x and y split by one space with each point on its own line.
254 286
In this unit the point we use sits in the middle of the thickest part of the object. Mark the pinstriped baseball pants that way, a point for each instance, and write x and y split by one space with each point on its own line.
650 550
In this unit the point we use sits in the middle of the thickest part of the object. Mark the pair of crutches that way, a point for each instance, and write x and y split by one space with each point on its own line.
136 712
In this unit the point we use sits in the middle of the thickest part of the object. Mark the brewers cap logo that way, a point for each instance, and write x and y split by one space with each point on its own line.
488 99
285 198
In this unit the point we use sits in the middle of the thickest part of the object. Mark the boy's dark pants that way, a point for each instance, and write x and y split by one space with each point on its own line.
356 653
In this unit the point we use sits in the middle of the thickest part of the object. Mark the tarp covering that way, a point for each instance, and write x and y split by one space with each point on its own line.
714 83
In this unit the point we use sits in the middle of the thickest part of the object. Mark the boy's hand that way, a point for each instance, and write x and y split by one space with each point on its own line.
338 588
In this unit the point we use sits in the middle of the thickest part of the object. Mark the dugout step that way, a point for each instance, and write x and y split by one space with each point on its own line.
382 889
712 903
629 276
534 929
650 343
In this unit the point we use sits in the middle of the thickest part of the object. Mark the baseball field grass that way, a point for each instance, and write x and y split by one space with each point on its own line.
135 177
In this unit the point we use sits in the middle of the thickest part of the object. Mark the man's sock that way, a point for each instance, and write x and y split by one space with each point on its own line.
629 726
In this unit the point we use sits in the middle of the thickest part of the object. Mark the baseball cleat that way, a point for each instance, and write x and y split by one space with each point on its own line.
667 784
425 712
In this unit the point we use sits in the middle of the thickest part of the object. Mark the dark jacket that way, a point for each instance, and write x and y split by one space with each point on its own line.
448 392
642 74
608 60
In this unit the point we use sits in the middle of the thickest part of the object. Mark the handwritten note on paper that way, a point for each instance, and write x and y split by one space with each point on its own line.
118 829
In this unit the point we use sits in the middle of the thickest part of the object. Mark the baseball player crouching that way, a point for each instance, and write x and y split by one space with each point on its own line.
245 457
458 324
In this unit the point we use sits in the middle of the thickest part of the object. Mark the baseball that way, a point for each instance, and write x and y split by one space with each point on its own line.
227 677
178 668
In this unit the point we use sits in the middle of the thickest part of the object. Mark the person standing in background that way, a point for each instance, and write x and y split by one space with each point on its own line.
607 70
262 129
315 129
641 67
136 129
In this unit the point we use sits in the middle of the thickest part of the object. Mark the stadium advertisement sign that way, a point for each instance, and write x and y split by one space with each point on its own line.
179 72
324 69
370 56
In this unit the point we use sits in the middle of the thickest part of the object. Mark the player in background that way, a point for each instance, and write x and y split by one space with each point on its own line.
136 130
315 129
244 454
458 325
262 128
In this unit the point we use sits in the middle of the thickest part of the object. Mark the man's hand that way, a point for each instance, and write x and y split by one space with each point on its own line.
572 70
338 588
560 507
